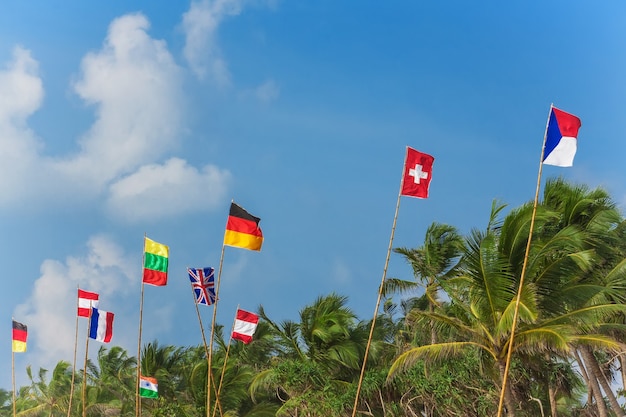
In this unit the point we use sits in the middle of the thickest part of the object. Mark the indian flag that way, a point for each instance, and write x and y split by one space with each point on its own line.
155 262
148 387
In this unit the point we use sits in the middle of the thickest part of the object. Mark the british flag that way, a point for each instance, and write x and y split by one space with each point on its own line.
203 284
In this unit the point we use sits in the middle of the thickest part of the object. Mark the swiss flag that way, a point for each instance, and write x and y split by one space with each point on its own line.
418 168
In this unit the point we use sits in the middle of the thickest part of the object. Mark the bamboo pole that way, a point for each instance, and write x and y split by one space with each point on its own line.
230 338
137 397
523 273
13 378
69 405
380 292
209 370
84 387
206 348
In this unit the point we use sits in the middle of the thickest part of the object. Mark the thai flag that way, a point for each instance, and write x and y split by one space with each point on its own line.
101 326
561 137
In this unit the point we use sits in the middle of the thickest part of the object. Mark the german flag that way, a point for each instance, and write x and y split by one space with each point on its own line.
242 229
19 337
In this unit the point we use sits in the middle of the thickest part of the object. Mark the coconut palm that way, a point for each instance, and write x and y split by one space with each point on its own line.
432 262
554 312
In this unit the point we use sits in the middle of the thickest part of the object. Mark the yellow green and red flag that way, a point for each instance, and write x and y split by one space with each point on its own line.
155 262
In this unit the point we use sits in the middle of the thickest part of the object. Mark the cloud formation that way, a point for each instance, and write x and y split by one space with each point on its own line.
135 88
50 311
200 24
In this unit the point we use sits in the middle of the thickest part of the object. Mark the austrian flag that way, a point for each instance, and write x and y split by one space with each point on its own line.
86 300
245 326
418 168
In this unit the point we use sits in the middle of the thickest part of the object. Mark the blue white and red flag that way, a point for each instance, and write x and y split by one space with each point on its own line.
101 325
561 138
203 284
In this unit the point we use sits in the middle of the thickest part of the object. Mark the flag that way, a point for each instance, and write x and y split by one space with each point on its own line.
155 261
245 326
20 333
242 229
417 173
203 284
86 300
148 387
101 327
561 138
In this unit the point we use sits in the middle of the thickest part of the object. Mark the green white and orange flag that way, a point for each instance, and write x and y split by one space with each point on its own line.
20 333
242 229
148 387
155 262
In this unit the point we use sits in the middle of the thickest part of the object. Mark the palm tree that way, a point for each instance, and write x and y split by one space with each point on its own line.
432 263
51 398
553 310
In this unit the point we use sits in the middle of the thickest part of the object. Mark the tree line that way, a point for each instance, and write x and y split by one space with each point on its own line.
439 345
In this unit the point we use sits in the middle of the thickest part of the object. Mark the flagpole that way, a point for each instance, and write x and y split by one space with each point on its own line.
209 370
137 397
13 377
380 292
84 387
230 338
206 349
523 273
69 406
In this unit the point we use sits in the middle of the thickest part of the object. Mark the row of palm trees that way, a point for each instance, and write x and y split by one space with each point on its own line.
438 349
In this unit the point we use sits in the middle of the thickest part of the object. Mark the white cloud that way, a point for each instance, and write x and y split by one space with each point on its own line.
51 309
135 87
156 191
200 24
21 94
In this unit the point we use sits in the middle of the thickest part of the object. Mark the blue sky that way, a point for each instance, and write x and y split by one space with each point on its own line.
125 118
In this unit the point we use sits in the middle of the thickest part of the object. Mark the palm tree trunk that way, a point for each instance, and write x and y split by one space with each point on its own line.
622 368
583 372
508 397
551 391
595 373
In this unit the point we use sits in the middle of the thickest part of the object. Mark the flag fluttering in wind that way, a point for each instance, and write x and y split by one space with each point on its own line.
242 229
418 168
86 300
156 258
203 284
561 138
20 334
101 328
245 326
148 387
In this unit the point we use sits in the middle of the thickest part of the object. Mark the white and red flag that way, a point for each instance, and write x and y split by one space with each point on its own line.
86 300
418 169
245 326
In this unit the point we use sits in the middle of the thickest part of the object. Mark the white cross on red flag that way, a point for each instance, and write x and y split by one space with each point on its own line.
418 168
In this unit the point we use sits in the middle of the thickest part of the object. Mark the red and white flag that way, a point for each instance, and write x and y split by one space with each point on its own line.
418 169
86 300
245 326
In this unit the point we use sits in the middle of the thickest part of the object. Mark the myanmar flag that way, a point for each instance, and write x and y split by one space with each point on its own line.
155 262
20 333
242 229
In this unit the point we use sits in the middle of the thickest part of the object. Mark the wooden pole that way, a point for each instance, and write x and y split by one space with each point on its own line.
13 378
84 388
380 294
523 273
230 338
209 370
137 397
69 405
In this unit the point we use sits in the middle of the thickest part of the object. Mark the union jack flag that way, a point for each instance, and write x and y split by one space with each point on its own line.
203 284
